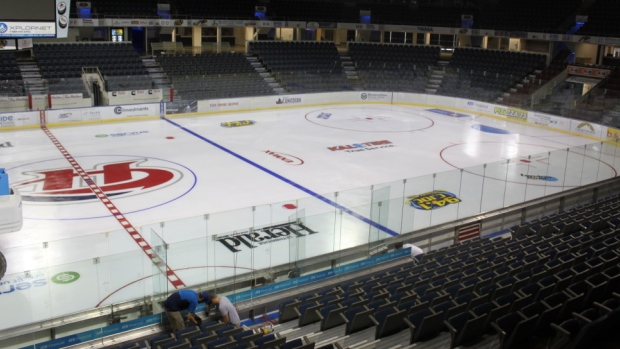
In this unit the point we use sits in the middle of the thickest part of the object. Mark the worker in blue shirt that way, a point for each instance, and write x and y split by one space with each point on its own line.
182 300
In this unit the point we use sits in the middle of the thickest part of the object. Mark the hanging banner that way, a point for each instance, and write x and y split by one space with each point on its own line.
588 71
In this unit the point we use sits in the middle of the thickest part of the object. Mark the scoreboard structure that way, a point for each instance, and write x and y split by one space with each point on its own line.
25 19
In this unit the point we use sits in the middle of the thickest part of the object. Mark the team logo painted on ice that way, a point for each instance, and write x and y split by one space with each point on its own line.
115 179
54 182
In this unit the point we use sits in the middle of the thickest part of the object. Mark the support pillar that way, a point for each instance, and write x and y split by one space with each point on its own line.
196 39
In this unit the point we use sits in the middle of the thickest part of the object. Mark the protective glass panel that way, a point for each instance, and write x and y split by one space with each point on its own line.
472 184
232 235
379 215
515 182
160 250
557 170
444 200
26 296
494 185
416 214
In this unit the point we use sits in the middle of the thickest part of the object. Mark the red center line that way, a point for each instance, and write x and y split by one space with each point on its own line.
135 235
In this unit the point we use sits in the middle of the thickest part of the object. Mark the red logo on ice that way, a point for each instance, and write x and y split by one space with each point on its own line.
113 179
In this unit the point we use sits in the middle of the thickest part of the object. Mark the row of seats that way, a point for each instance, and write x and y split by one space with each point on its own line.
389 67
217 335
114 61
10 77
294 64
559 286
475 288
213 75
486 74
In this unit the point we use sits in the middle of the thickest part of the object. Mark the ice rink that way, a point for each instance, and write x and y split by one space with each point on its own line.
198 184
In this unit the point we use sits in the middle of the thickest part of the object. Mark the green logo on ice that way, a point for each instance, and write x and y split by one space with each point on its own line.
66 277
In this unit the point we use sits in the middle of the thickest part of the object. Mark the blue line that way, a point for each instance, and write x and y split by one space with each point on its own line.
288 181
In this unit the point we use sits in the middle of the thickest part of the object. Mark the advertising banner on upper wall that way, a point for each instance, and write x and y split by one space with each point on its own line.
588 71
27 29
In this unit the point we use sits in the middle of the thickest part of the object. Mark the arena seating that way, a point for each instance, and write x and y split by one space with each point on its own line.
550 270
11 83
213 75
537 79
486 74
555 279
120 65
385 67
303 66
602 104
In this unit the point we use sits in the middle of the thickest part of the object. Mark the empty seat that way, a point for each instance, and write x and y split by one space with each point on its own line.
514 329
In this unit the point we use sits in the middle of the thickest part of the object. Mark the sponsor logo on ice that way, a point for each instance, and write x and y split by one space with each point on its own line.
540 178
286 158
121 134
236 241
66 277
10 286
357 147
432 200
239 123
